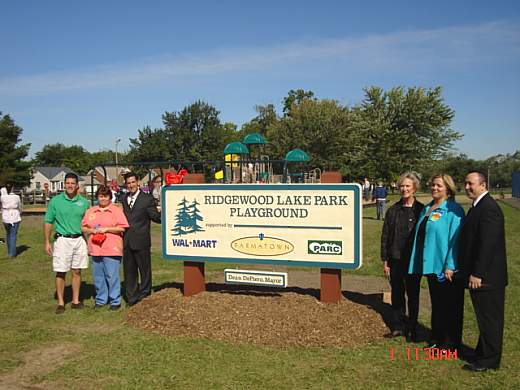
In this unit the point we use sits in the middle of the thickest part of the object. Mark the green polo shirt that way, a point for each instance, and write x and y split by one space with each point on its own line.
66 214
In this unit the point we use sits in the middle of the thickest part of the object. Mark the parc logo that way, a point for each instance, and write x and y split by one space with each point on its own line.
316 247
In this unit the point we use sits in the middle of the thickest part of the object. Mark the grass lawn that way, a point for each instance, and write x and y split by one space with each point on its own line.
97 350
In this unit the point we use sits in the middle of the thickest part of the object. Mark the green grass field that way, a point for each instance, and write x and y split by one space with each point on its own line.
96 350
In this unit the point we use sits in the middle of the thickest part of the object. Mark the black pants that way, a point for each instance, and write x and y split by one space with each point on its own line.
447 299
489 309
413 288
401 283
137 264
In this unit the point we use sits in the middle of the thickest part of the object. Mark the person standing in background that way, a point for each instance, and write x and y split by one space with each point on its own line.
11 217
379 196
366 189
156 190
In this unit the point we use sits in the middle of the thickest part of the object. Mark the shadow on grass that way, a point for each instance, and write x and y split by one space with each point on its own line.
86 291
375 302
22 248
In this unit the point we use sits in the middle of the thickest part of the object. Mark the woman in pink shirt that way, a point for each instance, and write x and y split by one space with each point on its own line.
104 224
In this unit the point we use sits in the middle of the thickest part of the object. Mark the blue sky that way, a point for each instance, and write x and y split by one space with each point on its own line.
89 72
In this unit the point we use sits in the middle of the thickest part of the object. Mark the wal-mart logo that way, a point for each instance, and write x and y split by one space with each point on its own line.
316 247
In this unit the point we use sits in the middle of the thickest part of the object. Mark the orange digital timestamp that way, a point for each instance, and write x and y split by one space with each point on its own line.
415 354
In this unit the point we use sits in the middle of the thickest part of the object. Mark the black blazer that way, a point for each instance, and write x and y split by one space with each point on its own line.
144 210
482 244
398 232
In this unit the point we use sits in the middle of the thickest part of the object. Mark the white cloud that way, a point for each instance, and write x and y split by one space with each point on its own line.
444 46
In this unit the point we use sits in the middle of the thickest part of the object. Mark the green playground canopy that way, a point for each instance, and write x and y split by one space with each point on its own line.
254 139
296 155
236 148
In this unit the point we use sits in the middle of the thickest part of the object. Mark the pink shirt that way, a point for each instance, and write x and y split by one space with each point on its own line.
106 217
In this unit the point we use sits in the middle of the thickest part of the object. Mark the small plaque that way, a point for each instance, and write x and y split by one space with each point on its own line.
256 278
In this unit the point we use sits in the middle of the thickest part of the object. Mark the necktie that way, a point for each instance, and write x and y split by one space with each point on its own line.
131 204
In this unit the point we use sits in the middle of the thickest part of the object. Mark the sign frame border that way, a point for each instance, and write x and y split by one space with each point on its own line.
255 187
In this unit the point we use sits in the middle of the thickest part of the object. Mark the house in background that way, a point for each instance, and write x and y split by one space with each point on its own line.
50 178
108 176
152 174
87 187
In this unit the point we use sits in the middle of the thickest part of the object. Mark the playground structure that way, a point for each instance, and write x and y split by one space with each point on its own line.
244 162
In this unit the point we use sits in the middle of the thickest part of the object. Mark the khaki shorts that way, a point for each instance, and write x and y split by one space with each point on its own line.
69 253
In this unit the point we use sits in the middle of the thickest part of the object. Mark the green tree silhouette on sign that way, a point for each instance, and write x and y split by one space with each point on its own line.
182 219
186 219
195 217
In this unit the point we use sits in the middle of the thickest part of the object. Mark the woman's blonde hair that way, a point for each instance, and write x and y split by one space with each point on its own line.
413 177
448 182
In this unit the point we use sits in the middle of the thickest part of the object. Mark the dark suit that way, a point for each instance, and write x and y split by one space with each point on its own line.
482 253
137 242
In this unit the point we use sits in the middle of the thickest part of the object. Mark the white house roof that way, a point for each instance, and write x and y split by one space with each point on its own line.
54 173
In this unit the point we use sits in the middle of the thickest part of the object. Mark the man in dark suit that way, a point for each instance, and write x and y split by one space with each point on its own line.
139 208
482 255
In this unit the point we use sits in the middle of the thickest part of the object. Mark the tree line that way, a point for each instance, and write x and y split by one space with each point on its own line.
388 132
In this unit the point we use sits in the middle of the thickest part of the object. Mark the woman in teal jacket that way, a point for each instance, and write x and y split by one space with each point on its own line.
434 254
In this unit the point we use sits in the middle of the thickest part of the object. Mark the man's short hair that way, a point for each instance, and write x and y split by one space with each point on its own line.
130 174
481 174
71 175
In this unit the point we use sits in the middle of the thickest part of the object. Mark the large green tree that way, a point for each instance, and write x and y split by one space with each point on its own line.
404 129
322 128
193 134
196 133
150 145
294 98
13 168
266 117
500 169
74 157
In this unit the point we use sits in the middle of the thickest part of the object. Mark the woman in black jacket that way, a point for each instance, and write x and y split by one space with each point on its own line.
396 243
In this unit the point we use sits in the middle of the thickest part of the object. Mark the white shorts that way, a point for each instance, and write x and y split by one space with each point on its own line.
69 253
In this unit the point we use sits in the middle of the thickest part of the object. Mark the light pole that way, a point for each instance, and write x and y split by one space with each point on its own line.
117 168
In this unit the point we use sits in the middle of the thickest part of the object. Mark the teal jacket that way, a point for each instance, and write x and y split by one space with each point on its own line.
440 242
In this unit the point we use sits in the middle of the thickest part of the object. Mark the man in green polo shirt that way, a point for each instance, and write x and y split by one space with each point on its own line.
64 213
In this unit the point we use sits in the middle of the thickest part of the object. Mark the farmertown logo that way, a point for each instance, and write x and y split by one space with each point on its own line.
262 246
317 247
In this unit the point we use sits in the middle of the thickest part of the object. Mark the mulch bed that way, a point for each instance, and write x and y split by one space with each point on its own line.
264 318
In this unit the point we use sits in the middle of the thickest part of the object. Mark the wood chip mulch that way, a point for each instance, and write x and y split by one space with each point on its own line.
286 319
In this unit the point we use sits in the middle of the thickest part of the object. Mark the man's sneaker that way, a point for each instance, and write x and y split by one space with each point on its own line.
98 306
60 309
79 305
115 307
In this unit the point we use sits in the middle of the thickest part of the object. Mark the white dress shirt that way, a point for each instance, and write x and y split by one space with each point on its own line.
11 207
478 199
